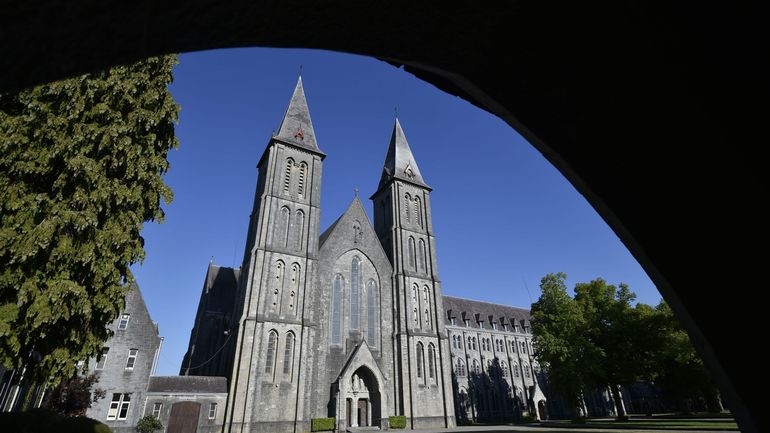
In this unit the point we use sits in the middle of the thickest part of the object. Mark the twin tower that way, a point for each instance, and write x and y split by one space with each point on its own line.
346 323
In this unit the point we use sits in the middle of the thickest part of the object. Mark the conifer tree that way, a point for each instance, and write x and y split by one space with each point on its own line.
81 166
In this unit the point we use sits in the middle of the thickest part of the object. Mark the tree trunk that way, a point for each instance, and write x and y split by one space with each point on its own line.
620 409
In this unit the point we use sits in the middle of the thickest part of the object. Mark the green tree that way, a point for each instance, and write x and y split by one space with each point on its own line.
561 347
148 424
81 165
679 371
611 327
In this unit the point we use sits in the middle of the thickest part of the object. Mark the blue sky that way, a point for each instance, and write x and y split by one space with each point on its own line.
503 216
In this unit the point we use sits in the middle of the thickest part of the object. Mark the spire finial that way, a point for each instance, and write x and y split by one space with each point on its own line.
355 190
299 75
395 111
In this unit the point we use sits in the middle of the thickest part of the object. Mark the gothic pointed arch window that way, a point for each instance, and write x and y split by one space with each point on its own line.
272 342
411 254
415 306
287 175
460 367
422 256
431 361
302 179
525 367
355 275
476 368
337 288
371 313
280 269
504 368
288 356
293 293
299 223
426 307
417 211
283 226
407 200
420 360
516 369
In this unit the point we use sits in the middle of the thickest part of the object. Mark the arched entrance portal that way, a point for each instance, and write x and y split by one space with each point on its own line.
363 403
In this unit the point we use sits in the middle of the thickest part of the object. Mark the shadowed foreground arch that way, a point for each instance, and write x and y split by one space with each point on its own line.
647 110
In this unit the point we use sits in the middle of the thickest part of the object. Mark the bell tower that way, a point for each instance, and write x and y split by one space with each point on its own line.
278 271
402 220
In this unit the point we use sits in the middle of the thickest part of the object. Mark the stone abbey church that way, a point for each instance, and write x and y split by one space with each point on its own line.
349 323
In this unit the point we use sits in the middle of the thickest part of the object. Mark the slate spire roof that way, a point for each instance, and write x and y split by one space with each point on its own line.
399 162
296 127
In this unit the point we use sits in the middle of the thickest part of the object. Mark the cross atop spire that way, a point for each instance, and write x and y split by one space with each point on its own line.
399 162
296 126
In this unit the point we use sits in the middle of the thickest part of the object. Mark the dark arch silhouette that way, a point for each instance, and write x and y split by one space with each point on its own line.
649 110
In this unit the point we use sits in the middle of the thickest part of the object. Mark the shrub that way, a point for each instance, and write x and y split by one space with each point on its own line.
43 421
148 424
322 424
397 421
579 420
528 418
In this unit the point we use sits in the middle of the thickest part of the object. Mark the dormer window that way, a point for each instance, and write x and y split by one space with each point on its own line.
467 323
494 325
452 321
481 324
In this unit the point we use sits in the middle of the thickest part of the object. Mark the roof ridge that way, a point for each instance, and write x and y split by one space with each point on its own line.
486 302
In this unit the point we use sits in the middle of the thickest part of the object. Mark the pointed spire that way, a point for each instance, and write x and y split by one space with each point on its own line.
399 162
296 126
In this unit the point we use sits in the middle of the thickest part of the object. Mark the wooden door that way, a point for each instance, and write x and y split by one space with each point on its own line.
363 415
184 417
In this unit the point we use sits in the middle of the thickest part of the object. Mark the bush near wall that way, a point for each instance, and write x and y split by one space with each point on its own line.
397 421
44 421
322 424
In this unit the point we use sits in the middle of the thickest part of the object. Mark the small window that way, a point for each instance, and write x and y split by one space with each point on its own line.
467 323
102 359
119 407
156 408
212 410
132 353
123 324
452 321
494 325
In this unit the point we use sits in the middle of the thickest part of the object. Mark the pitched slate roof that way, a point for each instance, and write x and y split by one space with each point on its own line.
471 308
296 126
188 384
399 162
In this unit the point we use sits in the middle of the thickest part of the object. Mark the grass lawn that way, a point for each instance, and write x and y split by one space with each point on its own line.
657 424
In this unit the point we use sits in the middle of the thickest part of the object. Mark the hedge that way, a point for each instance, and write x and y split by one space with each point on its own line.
44 421
397 421
322 424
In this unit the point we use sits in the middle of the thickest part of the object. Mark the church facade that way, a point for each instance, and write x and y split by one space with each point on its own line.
347 323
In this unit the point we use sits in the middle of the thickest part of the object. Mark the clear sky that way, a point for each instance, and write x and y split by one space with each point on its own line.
503 216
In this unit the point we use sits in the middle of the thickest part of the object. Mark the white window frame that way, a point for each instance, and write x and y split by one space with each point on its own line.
118 403
102 362
157 407
212 410
124 319
132 358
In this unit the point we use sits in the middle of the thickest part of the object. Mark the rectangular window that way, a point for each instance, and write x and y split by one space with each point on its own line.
452 321
212 410
156 408
494 325
119 407
124 406
123 324
131 358
102 359
481 324
467 323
